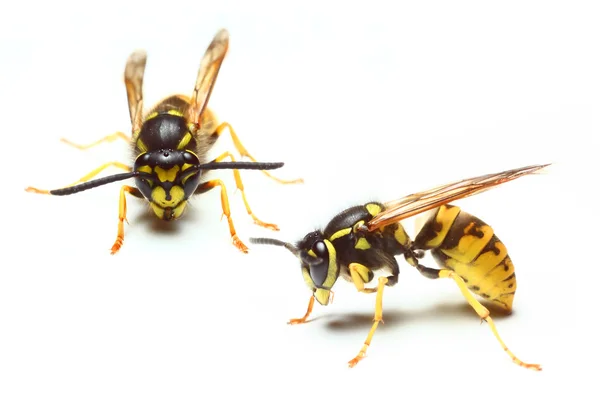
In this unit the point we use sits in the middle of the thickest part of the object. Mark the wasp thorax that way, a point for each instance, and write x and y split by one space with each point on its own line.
170 178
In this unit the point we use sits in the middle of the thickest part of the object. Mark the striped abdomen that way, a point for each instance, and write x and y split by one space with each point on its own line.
467 245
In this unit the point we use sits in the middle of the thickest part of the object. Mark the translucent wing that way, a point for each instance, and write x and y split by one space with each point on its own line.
207 75
134 76
416 203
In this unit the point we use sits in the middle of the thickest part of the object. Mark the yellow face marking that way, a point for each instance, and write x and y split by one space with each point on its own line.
159 196
167 175
185 166
444 217
362 244
177 211
332 266
145 168
322 296
373 209
307 278
340 233
184 141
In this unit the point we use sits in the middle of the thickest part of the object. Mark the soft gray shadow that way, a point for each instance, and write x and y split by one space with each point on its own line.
393 318
155 224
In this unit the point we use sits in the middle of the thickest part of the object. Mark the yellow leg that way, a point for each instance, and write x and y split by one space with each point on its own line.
244 153
108 139
226 212
377 318
360 276
303 319
122 217
484 314
240 187
86 177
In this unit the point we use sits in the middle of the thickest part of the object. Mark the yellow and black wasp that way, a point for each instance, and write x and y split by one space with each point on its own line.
364 239
170 145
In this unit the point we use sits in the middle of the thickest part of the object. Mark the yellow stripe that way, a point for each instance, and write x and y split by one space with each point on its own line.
470 246
340 233
151 116
445 217
175 112
307 278
184 141
401 236
332 267
142 146
373 209
362 244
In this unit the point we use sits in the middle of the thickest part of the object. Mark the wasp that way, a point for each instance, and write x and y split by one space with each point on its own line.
364 240
170 144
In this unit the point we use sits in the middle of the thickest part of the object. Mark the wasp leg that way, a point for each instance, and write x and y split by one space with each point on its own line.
205 187
244 153
303 319
240 187
360 276
123 216
482 311
108 139
376 319
86 177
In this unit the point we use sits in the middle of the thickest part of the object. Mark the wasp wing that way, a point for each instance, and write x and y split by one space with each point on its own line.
416 203
134 76
207 75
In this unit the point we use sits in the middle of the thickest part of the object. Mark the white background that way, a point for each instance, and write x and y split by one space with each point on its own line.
369 101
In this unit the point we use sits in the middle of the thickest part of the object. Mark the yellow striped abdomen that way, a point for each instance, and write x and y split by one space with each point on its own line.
467 245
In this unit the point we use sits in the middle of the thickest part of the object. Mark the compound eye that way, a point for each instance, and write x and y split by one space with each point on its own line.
320 249
318 272
190 158
145 186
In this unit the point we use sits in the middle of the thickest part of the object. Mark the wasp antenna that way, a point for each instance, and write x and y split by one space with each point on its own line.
267 241
275 242
239 165
310 260
93 184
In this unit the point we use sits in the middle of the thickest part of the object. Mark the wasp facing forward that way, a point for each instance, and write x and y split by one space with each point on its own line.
365 239
170 144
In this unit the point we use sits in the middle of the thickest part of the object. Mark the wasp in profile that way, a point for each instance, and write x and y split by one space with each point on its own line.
363 240
170 144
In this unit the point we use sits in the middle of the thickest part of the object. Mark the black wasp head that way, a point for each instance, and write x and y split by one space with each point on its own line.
169 178
318 261
319 264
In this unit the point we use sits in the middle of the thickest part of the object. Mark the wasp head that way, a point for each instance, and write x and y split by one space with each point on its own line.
318 261
171 177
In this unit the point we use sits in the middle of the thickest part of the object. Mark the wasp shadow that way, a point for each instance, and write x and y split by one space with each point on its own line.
394 318
152 223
